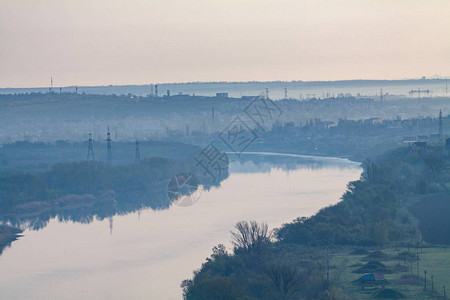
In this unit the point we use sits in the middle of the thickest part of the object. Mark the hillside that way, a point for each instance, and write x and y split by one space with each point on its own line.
309 258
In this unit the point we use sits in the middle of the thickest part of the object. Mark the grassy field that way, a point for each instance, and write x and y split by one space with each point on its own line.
344 267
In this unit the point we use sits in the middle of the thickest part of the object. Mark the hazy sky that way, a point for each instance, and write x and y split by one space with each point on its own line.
100 42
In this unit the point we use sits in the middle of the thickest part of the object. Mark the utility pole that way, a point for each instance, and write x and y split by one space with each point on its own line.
425 281
328 264
417 255
108 147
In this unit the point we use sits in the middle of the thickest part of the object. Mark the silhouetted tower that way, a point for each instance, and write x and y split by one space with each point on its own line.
267 93
285 92
60 90
76 90
108 147
212 119
156 90
381 95
441 130
50 89
90 154
137 155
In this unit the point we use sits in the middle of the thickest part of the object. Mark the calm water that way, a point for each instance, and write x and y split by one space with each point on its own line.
146 255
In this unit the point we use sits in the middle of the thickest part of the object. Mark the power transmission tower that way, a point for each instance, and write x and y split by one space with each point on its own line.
441 130
137 155
108 147
90 154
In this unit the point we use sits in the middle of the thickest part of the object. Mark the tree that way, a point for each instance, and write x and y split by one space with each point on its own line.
286 280
251 236
217 288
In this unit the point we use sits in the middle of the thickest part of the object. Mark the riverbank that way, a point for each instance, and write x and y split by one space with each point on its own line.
374 215
154 245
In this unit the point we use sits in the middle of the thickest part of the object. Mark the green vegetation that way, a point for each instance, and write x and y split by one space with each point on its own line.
406 272
258 269
39 156
82 177
131 187
324 256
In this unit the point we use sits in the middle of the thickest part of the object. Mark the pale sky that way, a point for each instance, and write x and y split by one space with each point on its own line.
102 42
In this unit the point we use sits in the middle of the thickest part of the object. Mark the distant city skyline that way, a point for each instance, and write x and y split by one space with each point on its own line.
90 43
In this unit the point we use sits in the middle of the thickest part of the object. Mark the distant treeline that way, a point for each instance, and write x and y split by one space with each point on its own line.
93 178
37 156
80 177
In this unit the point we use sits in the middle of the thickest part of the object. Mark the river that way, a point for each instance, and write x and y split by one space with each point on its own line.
146 255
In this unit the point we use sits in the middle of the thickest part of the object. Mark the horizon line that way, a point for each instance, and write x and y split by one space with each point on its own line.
230 82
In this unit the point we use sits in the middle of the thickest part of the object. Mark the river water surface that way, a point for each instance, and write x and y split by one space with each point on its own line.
146 255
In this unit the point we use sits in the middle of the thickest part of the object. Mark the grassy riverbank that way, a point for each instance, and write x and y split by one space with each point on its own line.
310 258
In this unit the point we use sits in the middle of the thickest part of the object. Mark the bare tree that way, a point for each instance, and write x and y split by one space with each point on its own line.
251 236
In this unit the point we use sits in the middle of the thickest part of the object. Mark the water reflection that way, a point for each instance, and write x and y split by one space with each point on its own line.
250 162
151 251
87 208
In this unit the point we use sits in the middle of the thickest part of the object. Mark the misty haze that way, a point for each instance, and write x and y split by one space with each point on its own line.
224 150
